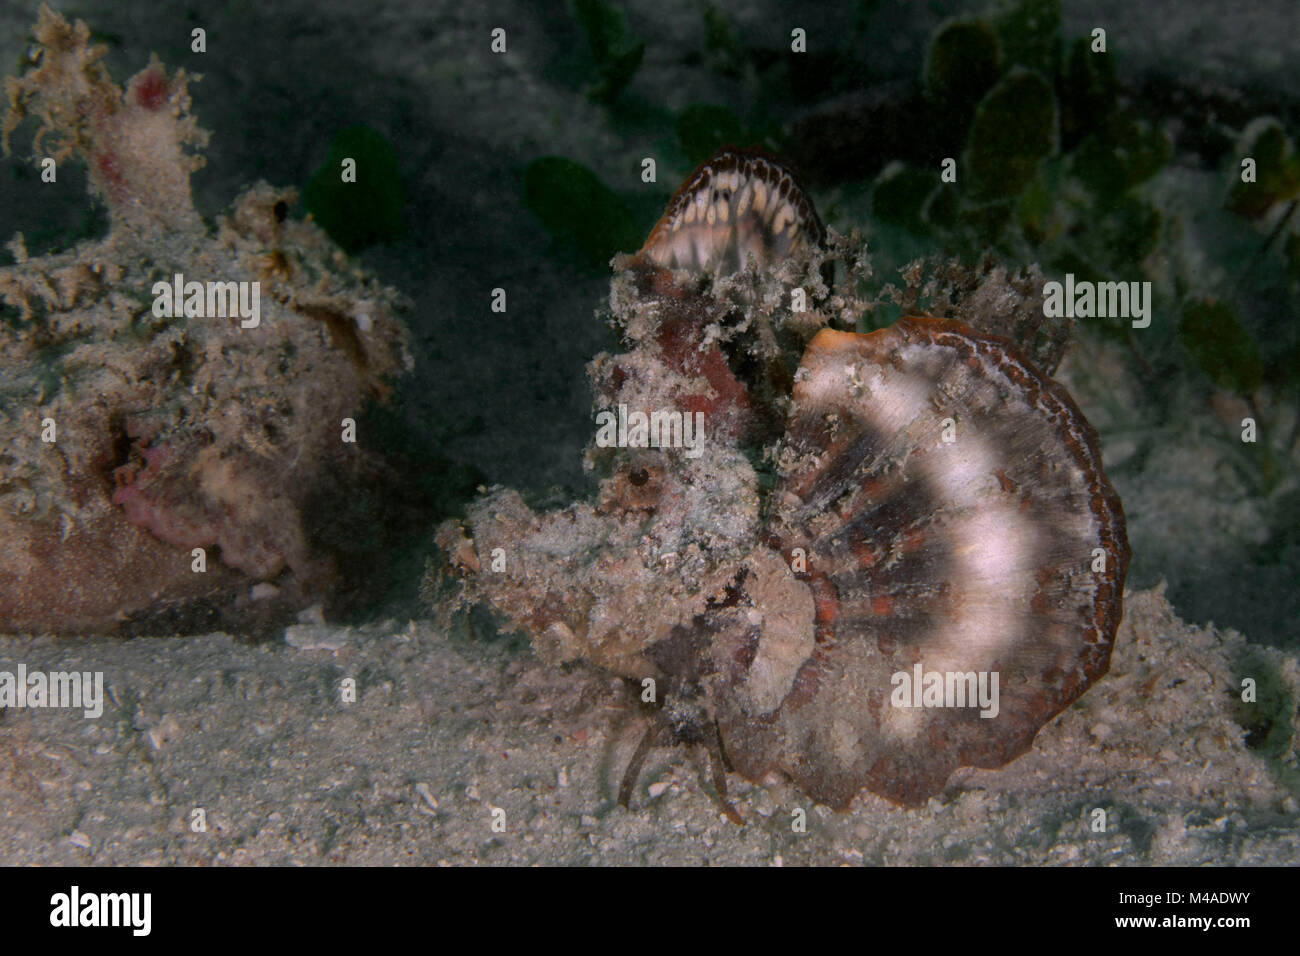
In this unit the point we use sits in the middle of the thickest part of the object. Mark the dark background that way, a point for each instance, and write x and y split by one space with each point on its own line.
505 396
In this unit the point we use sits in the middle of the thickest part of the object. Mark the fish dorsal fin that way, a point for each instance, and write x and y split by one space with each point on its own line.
738 204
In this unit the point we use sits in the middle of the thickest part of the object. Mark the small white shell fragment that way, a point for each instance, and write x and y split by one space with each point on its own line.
312 615
426 795
317 637
166 730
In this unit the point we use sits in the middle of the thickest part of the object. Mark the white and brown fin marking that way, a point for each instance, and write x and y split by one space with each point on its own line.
738 204
975 556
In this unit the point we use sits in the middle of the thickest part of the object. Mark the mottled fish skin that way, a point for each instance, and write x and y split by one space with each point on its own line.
738 205
974 555
939 507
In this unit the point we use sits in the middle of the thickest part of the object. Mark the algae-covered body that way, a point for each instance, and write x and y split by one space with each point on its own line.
920 502
138 426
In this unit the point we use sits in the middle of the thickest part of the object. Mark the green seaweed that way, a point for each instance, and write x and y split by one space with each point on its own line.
616 54
1089 91
1013 131
368 211
1143 150
1269 721
1050 160
1277 169
1028 31
1126 155
1223 347
987 221
963 62
577 208
1035 209
1126 231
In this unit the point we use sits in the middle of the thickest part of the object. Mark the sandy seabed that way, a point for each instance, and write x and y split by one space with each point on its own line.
448 728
